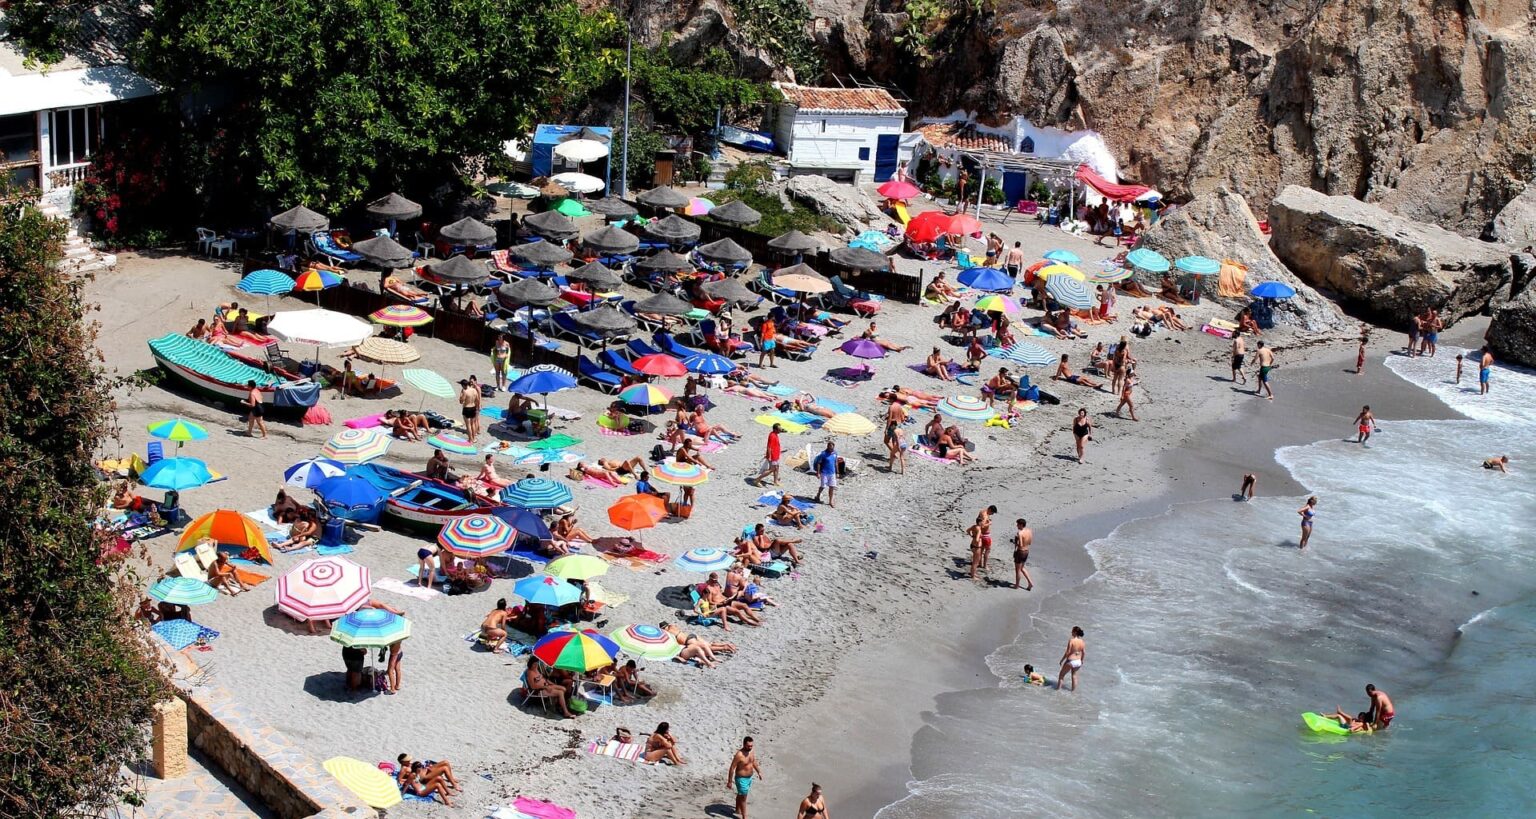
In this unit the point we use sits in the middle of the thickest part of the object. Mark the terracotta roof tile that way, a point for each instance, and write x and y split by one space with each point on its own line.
962 136
839 100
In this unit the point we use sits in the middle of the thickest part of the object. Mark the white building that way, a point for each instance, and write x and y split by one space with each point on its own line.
1018 150
840 132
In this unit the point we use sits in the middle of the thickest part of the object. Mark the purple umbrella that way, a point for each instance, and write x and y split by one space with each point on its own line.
862 348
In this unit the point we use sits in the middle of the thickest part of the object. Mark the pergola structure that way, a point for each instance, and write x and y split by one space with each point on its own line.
1000 162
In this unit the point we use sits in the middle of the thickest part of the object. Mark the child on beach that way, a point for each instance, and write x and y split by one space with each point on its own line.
1360 357
1459 359
1032 676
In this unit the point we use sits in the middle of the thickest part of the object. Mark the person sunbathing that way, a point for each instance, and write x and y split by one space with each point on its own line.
787 515
302 534
630 686
488 476
916 398
222 575
704 429
1002 385
1098 357
123 497
715 595
948 448
747 552
696 648
1169 318
750 392
745 376
1061 325
493 629
661 746
806 404
431 771
582 469
410 781
937 365
940 289
954 435
687 453
870 334
402 426
737 581
775 547
534 682
1247 324
1064 373
566 531
1168 289
411 293
622 466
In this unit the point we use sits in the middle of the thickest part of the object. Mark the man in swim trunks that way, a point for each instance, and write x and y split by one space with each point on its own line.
767 339
1021 543
469 403
1239 355
738 777
1266 358
1484 371
1365 423
1072 658
1381 713
1501 463
493 629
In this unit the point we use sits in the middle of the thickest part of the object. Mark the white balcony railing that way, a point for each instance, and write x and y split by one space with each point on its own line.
65 176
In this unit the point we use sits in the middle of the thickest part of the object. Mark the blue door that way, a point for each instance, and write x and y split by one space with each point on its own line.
1015 186
887 148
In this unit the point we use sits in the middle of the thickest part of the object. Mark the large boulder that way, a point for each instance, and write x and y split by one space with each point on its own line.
1516 223
844 203
1380 264
1512 335
1220 225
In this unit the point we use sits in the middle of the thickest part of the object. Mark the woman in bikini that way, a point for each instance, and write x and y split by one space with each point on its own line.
916 398
715 594
566 531
706 430
750 391
688 453
1308 511
813 806
582 470
786 514
661 746
697 649
488 476
411 782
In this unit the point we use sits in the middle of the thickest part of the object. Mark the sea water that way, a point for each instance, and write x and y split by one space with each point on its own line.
1209 632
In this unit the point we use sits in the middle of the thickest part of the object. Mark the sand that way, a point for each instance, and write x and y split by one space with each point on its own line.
832 686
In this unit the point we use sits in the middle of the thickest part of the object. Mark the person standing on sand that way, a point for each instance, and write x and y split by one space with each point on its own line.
1239 355
770 465
766 342
825 465
469 403
1125 397
1308 511
1013 263
1266 358
1022 539
1459 359
257 416
739 776
1484 373
1072 658
1432 327
813 806
1413 336
1365 422
981 540
1360 357
1082 431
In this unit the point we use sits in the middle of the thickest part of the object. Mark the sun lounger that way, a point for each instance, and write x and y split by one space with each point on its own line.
587 370
640 349
325 244
617 363
565 325
669 345
186 566
764 284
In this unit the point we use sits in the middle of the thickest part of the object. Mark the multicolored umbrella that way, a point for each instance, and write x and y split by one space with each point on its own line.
646 395
1069 292
1148 260
266 283
1024 352
323 588
1063 270
637 512
679 474
967 408
578 651
1198 265
898 189
317 279
226 527
476 536
698 207
1109 275
862 348
313 472
576 567
376 788
183 591
176 473
708 364
453 442
660 364
401 315
1063 256
370 628
428 382
355 446
382 350
986 278
848 423
705 559
546 590
537 493
997 303
646 642
177 430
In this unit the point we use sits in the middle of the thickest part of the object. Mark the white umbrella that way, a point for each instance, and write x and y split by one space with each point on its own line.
577 182
320 328
581 150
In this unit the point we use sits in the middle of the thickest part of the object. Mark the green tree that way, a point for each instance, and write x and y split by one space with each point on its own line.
76 680
643 145
689 96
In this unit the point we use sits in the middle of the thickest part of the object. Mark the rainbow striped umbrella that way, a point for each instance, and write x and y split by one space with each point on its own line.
401 315
546 590
453 442
967 408
476 536
680 474
537 493
646 395
997 303
316 279
1063 270
577 567
704 559
646 641
183 591
579 651
355 446
1109 275
323 588
371 628
177 430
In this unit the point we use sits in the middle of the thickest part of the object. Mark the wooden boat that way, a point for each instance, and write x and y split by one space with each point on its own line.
419 503
213 372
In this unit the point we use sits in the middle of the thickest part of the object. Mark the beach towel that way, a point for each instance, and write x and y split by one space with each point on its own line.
339 549
509 646
1231 282
805 419
182 633
922 451
407 588
598 483
563 414
835 406
638 558
251 578
617 433
269 526
711 445
781 390
788 426
841 382
773 498
524 456
626 751
528 808
365 422
606 596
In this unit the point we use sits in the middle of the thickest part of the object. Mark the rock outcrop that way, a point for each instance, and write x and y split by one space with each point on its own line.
844 203
1219 225
1516 223
1512 335
1382 265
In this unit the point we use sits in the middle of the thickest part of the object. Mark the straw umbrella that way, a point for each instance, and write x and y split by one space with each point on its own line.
552 225
725 251
460 270
858 258
469 232
392 208
613 208
595 274
794 243
301 219
664 304
384 252
605 320
541 254
730 290
665 261
610 240
673 229
663 197
735 212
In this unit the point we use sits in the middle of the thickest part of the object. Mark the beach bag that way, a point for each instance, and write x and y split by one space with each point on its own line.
577 705
680 510
658 453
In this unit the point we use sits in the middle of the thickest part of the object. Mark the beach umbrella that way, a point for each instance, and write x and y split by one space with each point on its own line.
1273 290
572 208
315 279
927 226
382 350
477 536
647 642
1069 292
698 207
452 442
577 182
393 207
898 189
531 292
313 472
794 242
986 278
862 348
301 219
323 588
736 212
542 381
1148 260
730 290
578 651
858 258
595 274
347 495
429 382
225 527
265 283
1024 352
613 208
645 395
660 364
708 364
848 423
176 474
177 430
705 559
997 303
513 190
376 788
611 240
401 315
370 628
546 590
319 328
577 567
966 408
468 231
964 224
1198 265
679 474
663 304
674 228
384 252
581 151
183 591
663 197
1063 256
541 254
537 493
355 446
1110 275
605 320
525 521
460 269
725 251
1065 271
552 225
664 261
801 279
637 512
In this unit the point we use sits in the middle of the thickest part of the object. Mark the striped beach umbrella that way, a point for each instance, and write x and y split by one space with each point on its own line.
997 303
646 642
1198 265
265 283
225 527
660 364
177 430
537 493
382 350
646 395
312 472
1064 271
428 382
453 442
576 567
476 536
546 590
1110 275
704 559
637 512
708 364
317 279
1024 352
679 474
1063 256
848 423
401 315
542 380
371 628
1069 292
967 408
1148 260
376 788
578 651
323 588
183 591
355 446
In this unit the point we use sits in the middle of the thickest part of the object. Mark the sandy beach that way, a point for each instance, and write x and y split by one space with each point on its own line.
878 621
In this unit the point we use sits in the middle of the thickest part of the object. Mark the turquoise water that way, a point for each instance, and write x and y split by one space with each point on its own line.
1209 632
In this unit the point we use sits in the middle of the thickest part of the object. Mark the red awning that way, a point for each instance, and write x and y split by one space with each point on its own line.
1111 191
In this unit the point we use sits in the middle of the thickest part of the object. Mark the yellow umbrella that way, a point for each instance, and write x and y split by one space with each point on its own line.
371 785
577 567
849 423
1061 270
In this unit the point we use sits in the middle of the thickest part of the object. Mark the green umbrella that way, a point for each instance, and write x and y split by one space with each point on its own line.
572 208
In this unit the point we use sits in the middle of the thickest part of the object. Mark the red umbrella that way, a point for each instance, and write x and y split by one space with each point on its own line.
660 364
928 226
964 224
898 189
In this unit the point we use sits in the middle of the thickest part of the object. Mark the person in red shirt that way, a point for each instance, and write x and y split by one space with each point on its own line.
770 464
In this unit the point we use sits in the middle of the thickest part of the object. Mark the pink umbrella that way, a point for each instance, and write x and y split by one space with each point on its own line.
698 207
964 224
323 588
898 189
862 348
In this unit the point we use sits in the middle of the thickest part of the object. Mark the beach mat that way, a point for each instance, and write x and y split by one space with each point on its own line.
339 549
835 406
251 578
772 499
409 589
625 751
639 559
182 633
781 390
788 426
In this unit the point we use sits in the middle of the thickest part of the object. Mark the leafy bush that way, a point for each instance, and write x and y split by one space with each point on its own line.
1039 191
776 219
781 27
643 145
992 192
130 195
748 175
689 96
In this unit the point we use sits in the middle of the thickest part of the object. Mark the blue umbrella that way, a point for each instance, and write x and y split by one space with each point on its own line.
348 494
1149 260
537 493
525 521
1069 292
312 472
371 628
176 474
1273 290
708 364
538 381
546 590
1198 265
986 278
1024 352
265 283
1063 256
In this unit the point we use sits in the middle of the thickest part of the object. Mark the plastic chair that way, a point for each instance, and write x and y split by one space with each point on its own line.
186 566
205 237
154 452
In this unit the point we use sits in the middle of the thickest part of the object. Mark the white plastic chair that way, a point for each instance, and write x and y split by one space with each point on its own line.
205 238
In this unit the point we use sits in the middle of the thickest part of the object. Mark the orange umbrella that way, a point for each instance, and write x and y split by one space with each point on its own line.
637 512
227 528
964 224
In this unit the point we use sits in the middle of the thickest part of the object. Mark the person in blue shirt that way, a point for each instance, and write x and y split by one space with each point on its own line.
825 465
643 486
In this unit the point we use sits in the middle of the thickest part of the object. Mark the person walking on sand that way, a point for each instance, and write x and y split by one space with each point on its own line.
1360 357
1308 511
981 540
738 777
1484 373
1013 263
1022 539
1072 658
1266 358
1082 432
770 464
813 806
257 414
1126 402
825 465
1365 423
766 342
1239 355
